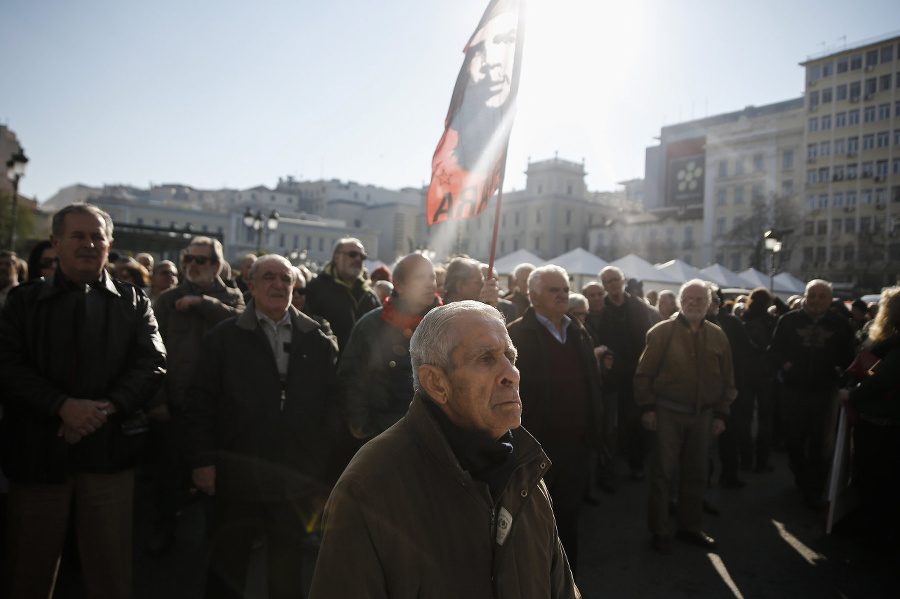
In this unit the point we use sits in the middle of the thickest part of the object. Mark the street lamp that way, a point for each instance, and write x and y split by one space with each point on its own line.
259 222
299 256
15 170
773 244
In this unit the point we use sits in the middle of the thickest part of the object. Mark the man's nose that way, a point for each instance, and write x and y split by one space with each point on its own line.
510 375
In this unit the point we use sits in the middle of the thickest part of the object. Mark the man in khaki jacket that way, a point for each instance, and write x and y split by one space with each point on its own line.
683 385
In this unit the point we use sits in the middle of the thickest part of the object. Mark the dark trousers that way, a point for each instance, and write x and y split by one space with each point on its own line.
810 418
290 551
567 482
877 468
633 437
39 518
736 443
167 468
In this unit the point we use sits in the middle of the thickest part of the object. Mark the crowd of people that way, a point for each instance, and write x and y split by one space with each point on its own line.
374 418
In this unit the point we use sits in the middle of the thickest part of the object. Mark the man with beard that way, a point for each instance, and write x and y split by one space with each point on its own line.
683 384
376 370
185 314
340 294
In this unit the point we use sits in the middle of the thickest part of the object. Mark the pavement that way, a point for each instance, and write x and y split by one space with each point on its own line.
770 545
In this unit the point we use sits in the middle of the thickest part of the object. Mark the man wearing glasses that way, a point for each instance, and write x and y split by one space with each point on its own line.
340 294
185 313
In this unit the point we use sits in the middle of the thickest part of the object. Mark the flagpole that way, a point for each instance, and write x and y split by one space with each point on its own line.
496 226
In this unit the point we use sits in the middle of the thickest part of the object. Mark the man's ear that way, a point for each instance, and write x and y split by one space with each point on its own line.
435 383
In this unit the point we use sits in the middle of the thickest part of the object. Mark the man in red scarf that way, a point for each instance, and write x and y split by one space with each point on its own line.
375 370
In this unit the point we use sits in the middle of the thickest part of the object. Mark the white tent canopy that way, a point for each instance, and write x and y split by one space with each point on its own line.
723 277
508 263
785 281
680 270
753 278
580 262
636 267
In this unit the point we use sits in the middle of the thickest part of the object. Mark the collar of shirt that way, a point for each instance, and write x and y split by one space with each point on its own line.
552 327
285 320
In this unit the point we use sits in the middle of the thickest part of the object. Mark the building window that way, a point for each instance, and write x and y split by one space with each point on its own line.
841 92
871 58
723 168
812 152
139 220
851 171
821 227
852 145
811 177
897 137
815 73
813 99
869 114
758 163
720 225
787 187
840 120
826 122
884 83
739 194
838 146
855 90
838 173
884 139
827 69
868 141
866 197
884 111
838 200
850 225
853 117
739 166
856 62
568 217
897 104
842 65
881 168
811 202
537 216
787 159
871 86
824 175
757 193
722 197
825 148
867 169
851 199
827 95
823 201
887 54
809 227
896 166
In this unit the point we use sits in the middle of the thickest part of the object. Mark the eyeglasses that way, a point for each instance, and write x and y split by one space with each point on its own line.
49 262
200 260
354 254
301 291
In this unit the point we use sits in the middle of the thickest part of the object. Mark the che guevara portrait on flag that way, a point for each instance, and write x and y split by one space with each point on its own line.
468 164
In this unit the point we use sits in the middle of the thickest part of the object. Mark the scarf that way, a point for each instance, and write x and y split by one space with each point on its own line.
395 314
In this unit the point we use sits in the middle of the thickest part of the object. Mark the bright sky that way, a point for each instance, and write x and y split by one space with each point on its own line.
235 94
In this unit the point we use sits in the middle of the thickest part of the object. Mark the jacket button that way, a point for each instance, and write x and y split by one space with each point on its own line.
524 493
392 364
543 465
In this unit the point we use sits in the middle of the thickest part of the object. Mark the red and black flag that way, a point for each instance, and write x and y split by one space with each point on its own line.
470 160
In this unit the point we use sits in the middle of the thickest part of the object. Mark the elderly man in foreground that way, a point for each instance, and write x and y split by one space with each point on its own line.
684 384
449 501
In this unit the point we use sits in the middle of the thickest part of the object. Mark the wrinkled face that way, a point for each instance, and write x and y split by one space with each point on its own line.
551 300
83 246
348 260
579 313
484 382
714 305
652 298
818 299
695 302
298 298
48 262
471 288
594 294
197 273
245 267
8 271
418 286
272 288
667 306
614 283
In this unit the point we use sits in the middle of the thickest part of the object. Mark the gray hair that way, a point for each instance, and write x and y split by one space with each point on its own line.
437 336
216 246
611 268
523 267
59 219
343 241
535 279
575 300
159 265
668 293
271 258
816 282
695 283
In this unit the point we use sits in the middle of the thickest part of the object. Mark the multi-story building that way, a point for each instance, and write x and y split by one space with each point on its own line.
851 145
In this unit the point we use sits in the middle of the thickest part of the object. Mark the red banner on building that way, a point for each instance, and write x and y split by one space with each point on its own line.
470 160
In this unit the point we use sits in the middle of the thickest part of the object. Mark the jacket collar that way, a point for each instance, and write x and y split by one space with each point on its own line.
299 321
55 285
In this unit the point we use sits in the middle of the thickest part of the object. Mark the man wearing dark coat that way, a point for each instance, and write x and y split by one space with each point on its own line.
80 356
561 394
261 418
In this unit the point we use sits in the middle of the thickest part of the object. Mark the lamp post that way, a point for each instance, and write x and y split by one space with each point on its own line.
260 222
773 244
15 170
